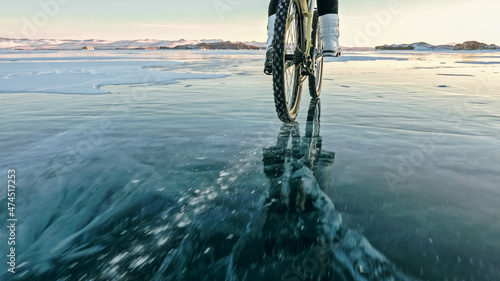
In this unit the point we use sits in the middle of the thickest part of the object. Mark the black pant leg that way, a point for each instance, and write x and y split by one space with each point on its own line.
328 7
273 5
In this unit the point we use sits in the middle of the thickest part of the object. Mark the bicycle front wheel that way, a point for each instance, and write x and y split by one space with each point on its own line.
287 83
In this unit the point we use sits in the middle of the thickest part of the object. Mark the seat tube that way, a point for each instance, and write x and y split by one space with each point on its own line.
312 5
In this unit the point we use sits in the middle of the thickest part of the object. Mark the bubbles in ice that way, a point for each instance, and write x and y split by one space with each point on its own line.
162 241
111 272
118 258
137 250
158 230
182 220
139 262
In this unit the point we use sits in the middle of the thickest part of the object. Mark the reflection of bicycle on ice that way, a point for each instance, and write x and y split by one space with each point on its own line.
293 154
299 37
299 234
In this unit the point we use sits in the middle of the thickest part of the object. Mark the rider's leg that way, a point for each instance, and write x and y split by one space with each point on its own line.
328 11
273 5
270 36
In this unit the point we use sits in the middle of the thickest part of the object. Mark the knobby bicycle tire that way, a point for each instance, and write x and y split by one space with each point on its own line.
287 111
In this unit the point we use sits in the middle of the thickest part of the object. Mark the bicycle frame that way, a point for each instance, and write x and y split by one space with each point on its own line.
307 7
306 13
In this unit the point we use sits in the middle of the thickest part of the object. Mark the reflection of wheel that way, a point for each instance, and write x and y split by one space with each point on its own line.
286 70
313 119
314 112
312 141
315 79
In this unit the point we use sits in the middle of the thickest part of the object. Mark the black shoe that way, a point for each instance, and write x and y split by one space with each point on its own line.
268 65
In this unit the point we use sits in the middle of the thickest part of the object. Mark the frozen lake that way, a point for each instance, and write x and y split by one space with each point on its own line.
172 165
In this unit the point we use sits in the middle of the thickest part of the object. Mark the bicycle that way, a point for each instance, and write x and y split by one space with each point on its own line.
297 56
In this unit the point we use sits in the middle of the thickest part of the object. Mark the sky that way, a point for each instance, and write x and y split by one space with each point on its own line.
363 23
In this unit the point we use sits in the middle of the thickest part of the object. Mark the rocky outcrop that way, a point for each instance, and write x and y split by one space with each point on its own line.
90 48
226 45
422 46
419 46
474 45
395 47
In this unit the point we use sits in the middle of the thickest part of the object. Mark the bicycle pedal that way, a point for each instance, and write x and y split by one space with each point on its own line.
268 70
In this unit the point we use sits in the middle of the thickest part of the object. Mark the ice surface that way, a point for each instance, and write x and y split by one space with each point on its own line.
74 75
162 180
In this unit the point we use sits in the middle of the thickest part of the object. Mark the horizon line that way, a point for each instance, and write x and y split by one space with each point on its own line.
226 40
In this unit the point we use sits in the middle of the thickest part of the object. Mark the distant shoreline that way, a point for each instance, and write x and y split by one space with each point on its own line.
423 46
206 44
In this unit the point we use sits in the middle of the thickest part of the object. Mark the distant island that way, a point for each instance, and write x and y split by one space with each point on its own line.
225 45
422 46
474 45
